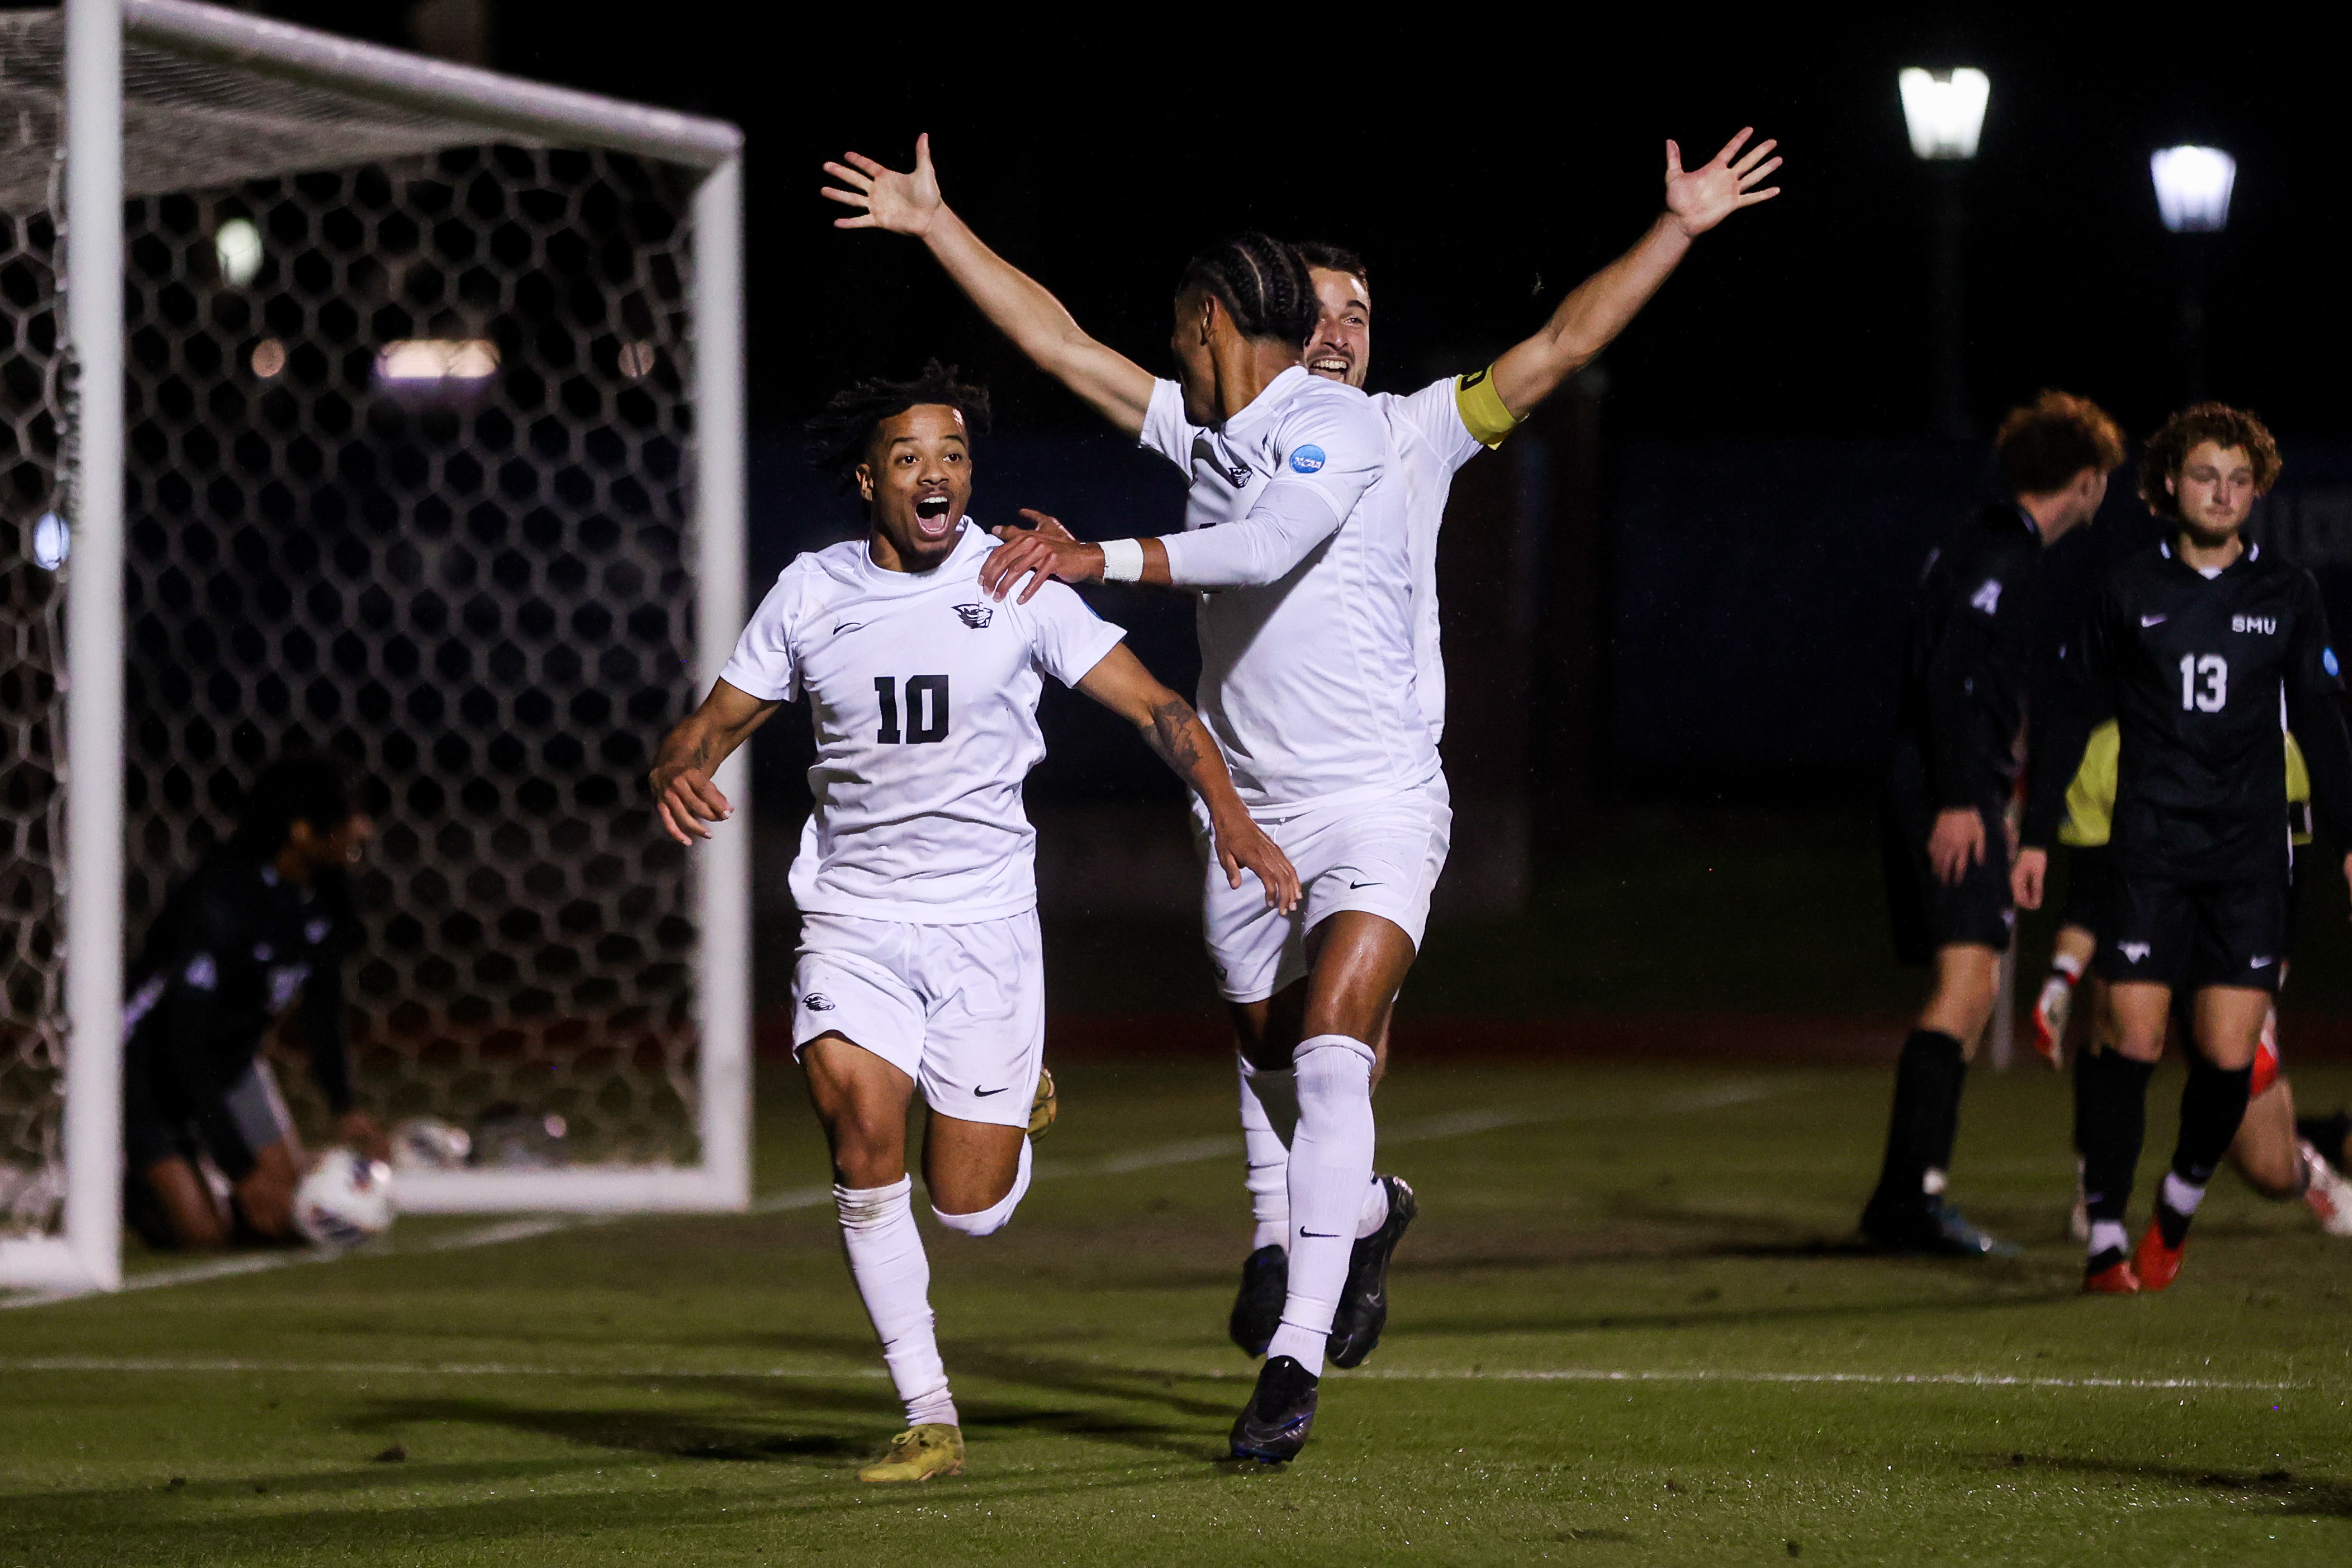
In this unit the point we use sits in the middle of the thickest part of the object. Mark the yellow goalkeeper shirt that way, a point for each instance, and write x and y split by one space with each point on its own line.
2091 797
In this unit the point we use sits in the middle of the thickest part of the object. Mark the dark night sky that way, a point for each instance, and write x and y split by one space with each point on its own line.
1484 172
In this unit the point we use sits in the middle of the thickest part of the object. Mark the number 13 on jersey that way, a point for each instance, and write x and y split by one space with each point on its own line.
2204 682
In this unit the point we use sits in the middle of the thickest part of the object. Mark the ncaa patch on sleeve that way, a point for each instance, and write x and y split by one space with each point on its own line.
1307 460
2327 661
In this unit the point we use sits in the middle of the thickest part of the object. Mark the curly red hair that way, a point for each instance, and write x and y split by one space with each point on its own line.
2218 423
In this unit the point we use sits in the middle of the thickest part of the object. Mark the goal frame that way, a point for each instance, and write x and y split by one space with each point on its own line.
86 1253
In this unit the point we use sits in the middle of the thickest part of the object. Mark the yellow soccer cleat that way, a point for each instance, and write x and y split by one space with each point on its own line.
1045 1106
933 1449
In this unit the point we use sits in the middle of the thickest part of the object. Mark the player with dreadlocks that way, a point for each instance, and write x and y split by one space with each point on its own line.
1306 649
921 964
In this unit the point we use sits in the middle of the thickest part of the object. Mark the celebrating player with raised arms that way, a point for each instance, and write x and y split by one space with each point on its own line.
1433 432
2201 647
920 961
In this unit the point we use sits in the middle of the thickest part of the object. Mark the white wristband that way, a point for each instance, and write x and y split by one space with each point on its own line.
1122 560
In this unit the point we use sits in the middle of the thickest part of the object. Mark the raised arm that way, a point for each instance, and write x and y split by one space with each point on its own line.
1601 307
1171 728
683 796
1016 304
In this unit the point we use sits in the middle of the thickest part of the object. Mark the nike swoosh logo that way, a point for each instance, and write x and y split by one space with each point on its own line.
1319 1235
1353 885
2147 620
984 1093
847 626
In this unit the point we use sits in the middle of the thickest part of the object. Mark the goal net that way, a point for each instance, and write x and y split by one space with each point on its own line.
427 453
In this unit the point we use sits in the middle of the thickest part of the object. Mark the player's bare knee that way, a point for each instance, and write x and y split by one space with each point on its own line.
986 1217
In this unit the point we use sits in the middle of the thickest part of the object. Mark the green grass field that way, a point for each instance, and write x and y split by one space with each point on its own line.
1628 1329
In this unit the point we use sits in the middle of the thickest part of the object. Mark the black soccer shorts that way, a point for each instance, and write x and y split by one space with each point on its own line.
2090 875
1926 913
157 1125
2192 934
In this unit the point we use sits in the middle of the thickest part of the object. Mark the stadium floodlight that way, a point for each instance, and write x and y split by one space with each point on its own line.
1944 110
492 604
2192 188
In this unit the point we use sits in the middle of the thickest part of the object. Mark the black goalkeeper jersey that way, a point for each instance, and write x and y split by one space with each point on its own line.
234 947
1970 660
2200 673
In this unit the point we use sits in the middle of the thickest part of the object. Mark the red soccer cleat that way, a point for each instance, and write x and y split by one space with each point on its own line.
2156 1264
2115 1280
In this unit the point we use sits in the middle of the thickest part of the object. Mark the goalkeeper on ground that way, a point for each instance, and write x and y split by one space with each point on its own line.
260 927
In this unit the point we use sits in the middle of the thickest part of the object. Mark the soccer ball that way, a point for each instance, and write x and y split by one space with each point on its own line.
345 1200
429 1144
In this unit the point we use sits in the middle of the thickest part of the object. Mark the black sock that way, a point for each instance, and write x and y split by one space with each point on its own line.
2212 1103
1927 1079
2111 1112
2328 1134
2083 1059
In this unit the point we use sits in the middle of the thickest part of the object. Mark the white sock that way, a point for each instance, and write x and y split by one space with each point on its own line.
1330 1161
1269 1112
997 1215
1375 1211
2109 1235
894 1278
2179 1196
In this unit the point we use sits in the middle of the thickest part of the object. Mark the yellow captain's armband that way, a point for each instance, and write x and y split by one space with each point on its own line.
1483 414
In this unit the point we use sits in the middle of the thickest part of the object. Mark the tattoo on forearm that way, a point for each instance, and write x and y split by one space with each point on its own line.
1173 726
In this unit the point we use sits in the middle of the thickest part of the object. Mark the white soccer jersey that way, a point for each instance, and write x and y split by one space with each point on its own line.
1432 445
1307 676
923 692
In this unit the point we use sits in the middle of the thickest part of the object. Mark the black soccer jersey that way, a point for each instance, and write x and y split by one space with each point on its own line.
2200 672
231 950
1970 661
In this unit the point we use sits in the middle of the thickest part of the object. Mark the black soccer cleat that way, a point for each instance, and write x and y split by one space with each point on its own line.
1364 1303
1929 1227
1257 1309
1273 1426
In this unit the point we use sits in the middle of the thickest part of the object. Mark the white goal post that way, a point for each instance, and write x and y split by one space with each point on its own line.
391 407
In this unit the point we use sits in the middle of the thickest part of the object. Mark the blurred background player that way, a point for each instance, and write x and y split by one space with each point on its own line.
1971 655
2270 1151
2200 647
261 927
1434 431
920 962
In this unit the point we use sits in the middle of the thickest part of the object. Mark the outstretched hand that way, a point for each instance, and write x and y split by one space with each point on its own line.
1703 197
1039 554
886 199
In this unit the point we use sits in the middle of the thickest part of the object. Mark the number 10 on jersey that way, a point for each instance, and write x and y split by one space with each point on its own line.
927 709
2204 682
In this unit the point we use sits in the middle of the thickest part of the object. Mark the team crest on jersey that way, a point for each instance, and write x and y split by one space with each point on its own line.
975 616
817 1002
2266 625
1307 460
2135 951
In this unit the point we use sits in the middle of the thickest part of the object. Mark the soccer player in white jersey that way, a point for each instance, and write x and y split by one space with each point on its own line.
1433 431
919 960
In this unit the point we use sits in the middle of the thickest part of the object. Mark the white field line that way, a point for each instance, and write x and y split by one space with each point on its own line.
1185 1151
147 1365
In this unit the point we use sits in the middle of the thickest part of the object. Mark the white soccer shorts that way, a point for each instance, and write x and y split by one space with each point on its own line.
1381 855
959 1008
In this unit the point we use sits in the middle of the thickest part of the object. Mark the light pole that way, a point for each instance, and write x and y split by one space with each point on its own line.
1944 110
2192 196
